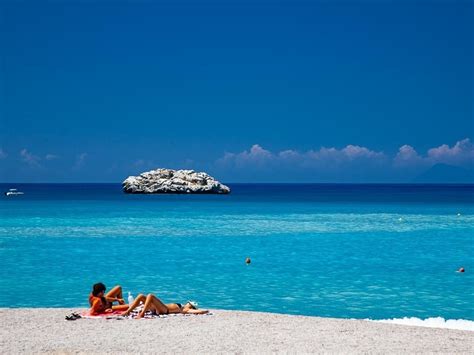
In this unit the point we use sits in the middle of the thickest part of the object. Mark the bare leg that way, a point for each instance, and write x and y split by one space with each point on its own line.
140 298
152 303
115 292
120 307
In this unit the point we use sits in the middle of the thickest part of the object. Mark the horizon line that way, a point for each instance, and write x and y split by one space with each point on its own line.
264 183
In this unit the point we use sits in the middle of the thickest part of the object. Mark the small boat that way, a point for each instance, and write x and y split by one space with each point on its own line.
13 192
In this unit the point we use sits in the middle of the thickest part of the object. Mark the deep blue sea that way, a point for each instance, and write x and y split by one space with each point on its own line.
352 251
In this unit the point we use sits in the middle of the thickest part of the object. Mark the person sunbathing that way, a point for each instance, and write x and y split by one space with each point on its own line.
104 303
156 306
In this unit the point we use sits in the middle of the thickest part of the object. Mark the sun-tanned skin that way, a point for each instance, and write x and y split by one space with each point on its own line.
154 304
141 298
114 295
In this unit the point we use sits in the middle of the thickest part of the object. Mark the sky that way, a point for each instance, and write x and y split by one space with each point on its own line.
249 91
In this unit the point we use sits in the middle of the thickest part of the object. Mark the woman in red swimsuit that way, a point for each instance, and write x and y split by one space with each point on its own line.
101 302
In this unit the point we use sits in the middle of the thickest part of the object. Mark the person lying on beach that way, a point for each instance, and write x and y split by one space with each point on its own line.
156 306
103 303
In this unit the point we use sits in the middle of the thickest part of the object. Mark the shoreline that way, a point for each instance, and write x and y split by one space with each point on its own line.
45 330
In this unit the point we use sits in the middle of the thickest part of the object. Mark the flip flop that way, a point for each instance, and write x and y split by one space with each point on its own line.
73 316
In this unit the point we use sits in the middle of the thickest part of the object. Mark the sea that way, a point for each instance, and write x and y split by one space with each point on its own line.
364 251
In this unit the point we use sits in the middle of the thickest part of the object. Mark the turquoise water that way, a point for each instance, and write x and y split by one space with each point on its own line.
352 251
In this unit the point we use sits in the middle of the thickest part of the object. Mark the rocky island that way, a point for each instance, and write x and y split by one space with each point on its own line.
169 181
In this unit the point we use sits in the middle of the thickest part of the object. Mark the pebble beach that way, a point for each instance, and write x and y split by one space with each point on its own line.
44 330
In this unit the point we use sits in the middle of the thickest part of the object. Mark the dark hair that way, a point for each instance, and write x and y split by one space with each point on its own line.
98 288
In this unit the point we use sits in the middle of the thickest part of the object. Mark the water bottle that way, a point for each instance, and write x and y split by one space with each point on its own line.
130 298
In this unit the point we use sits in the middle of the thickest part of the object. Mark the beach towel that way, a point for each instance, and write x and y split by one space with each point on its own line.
117 314
87 314
148 314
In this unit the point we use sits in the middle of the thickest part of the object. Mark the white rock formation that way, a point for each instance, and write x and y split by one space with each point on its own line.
169 181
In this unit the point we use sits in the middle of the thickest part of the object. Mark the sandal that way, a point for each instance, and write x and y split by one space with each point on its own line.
73 316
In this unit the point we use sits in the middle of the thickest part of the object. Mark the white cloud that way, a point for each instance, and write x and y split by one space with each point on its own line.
51 157
257 156
79 161
461 154
258 153
350 153
29 158
324 164
3 154
408 156
289 154
355 152
351 162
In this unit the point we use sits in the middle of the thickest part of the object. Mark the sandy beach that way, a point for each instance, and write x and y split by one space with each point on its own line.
45 331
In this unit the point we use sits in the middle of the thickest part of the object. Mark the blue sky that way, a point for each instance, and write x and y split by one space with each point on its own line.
353 91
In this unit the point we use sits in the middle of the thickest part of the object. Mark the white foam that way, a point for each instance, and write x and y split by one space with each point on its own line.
435 322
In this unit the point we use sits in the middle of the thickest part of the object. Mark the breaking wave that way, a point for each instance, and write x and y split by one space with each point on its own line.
435 322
